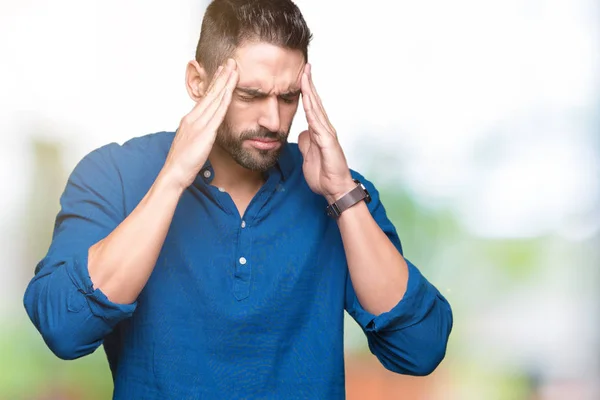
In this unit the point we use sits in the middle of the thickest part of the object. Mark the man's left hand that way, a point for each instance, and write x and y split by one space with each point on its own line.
325 167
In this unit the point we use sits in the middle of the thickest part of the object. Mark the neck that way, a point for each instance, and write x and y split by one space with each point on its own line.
231 176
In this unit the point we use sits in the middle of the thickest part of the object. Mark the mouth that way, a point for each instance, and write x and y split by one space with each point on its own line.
264 144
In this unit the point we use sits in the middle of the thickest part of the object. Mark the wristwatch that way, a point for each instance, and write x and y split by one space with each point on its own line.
355 195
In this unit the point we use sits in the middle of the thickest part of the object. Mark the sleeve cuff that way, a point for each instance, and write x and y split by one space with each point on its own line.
414 306
99 304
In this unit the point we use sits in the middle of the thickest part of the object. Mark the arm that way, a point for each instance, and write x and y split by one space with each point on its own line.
406 320
72 307
99 261
379 272
60 299
121 263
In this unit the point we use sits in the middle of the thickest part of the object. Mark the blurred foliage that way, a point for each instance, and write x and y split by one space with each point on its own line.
518 259
21 347
45 187
30 371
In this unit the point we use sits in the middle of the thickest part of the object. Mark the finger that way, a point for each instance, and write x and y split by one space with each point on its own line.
219 114
315 125
316 131
214 115
229 66
201 105
222 100
314 120
317 111
316 97
214 90
215 77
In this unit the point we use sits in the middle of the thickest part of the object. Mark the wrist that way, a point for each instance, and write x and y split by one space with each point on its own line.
167 181
341 189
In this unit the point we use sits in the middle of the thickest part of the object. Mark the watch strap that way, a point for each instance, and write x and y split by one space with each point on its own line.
351 198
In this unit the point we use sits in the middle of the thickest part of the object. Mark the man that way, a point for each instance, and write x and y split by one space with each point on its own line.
205 261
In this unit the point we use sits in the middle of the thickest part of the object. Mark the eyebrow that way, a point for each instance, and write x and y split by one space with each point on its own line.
260 93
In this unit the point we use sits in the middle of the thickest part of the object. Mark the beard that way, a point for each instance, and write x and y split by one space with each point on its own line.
250 158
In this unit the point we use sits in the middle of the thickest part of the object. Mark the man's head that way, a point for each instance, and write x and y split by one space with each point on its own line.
269 41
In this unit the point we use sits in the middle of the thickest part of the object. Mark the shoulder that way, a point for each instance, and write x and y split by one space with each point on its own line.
151 147
121 169
138 152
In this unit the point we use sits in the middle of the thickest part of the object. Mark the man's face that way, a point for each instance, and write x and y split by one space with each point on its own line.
263 104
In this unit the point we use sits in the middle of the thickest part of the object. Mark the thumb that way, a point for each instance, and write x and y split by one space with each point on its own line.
303 143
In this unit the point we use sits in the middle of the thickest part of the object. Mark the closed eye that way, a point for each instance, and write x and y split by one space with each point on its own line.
289 99
249 95
286 100
247 99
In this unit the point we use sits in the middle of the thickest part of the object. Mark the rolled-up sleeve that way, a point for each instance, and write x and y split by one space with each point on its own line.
69 313
412 337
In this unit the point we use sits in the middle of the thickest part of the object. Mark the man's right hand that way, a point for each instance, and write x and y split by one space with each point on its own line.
198 129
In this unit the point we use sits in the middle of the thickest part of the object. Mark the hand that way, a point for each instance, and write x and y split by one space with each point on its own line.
198 129
325 167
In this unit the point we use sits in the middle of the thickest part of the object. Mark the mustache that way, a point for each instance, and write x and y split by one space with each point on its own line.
263 134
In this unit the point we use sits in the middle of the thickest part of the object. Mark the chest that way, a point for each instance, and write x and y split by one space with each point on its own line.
218 264
241 200
263 288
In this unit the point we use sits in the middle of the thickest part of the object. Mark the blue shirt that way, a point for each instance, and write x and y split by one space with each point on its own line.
237 307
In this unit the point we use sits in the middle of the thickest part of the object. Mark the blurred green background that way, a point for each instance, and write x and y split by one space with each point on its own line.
479 122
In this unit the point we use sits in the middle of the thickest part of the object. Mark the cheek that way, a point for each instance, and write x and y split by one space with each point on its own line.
240 115
287 113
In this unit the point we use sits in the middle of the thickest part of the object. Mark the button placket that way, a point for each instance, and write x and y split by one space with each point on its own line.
243 271
243 267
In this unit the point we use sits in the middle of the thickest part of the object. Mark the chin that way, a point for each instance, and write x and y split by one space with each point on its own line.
258 163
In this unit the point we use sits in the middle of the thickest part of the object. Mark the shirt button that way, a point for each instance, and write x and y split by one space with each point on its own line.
207 174
243 224
221 189
242 260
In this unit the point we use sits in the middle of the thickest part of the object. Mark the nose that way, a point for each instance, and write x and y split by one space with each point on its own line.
270 114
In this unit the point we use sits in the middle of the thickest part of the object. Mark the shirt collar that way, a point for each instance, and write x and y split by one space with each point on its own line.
286 161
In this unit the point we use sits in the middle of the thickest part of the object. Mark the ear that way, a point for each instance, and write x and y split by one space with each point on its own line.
196 81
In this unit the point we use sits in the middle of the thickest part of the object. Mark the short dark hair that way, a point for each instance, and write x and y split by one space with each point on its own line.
228 24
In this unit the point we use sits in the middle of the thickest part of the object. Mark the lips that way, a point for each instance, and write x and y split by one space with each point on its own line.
264 144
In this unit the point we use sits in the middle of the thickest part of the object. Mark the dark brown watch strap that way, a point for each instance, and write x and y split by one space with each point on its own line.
355 195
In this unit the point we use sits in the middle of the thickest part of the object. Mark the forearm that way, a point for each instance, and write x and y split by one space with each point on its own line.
378 271
121 264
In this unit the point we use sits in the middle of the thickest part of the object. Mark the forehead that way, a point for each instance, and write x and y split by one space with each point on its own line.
268 67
